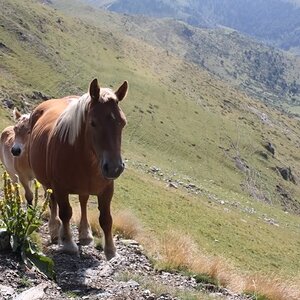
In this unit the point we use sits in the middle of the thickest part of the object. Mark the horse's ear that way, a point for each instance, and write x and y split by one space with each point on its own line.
94 90
16 114
122 91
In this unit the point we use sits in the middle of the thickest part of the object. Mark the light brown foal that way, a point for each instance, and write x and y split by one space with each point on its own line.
14 152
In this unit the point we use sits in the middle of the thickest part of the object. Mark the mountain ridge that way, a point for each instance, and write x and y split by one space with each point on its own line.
273 21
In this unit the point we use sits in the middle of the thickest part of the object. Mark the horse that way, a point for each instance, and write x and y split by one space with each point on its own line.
14 152
75 148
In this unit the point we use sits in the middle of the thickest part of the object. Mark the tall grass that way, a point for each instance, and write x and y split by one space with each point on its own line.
178 251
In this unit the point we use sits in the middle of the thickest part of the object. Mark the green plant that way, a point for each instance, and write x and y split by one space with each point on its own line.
206 279
21 223
256 296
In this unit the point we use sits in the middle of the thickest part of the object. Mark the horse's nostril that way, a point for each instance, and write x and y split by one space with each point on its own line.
122 167
105 167
16 151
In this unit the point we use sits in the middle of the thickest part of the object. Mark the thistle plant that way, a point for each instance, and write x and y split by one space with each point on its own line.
20 222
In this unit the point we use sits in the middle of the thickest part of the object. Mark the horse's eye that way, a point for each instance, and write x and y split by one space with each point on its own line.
93 124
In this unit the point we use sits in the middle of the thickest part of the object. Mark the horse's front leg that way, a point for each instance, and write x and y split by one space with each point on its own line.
28 193
54 222
85 233
105 220
65 214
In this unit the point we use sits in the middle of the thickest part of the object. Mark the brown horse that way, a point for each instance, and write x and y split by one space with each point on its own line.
75 148
14 152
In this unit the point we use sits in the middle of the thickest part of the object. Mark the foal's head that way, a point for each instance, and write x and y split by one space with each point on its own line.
105 122
21 130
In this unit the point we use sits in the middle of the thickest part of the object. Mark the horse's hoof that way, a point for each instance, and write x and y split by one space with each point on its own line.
117 259
54 240
110 254
69 247
86 241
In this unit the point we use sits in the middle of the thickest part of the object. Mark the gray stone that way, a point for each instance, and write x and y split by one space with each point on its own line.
172 185
4 240
34 293
6 290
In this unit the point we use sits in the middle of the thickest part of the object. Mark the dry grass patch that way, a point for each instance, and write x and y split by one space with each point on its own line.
176 251
272 287
127 225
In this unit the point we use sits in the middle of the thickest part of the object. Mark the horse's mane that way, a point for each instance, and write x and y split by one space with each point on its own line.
69 123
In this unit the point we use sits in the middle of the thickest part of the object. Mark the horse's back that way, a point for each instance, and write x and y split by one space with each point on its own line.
42 122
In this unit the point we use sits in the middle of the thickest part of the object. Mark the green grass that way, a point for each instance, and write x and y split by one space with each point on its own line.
248 241
177 121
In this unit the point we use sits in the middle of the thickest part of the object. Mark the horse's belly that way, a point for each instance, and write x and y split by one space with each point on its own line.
37 157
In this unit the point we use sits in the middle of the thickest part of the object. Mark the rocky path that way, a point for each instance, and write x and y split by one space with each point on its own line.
89 276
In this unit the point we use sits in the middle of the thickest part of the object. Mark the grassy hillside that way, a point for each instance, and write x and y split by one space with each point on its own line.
200 133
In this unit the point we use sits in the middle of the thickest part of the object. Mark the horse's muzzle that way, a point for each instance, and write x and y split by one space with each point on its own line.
16 150
112 170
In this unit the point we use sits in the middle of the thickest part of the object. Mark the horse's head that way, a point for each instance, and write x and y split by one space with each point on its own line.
105 122
21 130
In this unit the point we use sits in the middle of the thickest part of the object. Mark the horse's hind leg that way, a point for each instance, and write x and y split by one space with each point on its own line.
54 222
65 214
105 220
85 233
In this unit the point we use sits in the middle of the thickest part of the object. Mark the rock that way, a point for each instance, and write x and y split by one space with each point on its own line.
173 185
286 174
8 103
191 185
35 293
6 291
129 242
270 148
4 240
37 95
241 164
133 284
154 169
104 295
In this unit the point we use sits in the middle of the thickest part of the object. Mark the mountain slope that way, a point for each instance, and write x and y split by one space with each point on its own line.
263 72
274 21
203 135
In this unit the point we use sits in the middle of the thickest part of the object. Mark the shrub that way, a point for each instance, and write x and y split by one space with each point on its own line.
20 223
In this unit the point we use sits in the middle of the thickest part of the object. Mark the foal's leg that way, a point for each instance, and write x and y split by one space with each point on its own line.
105 220
28 193
54 222
65 214
85 233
